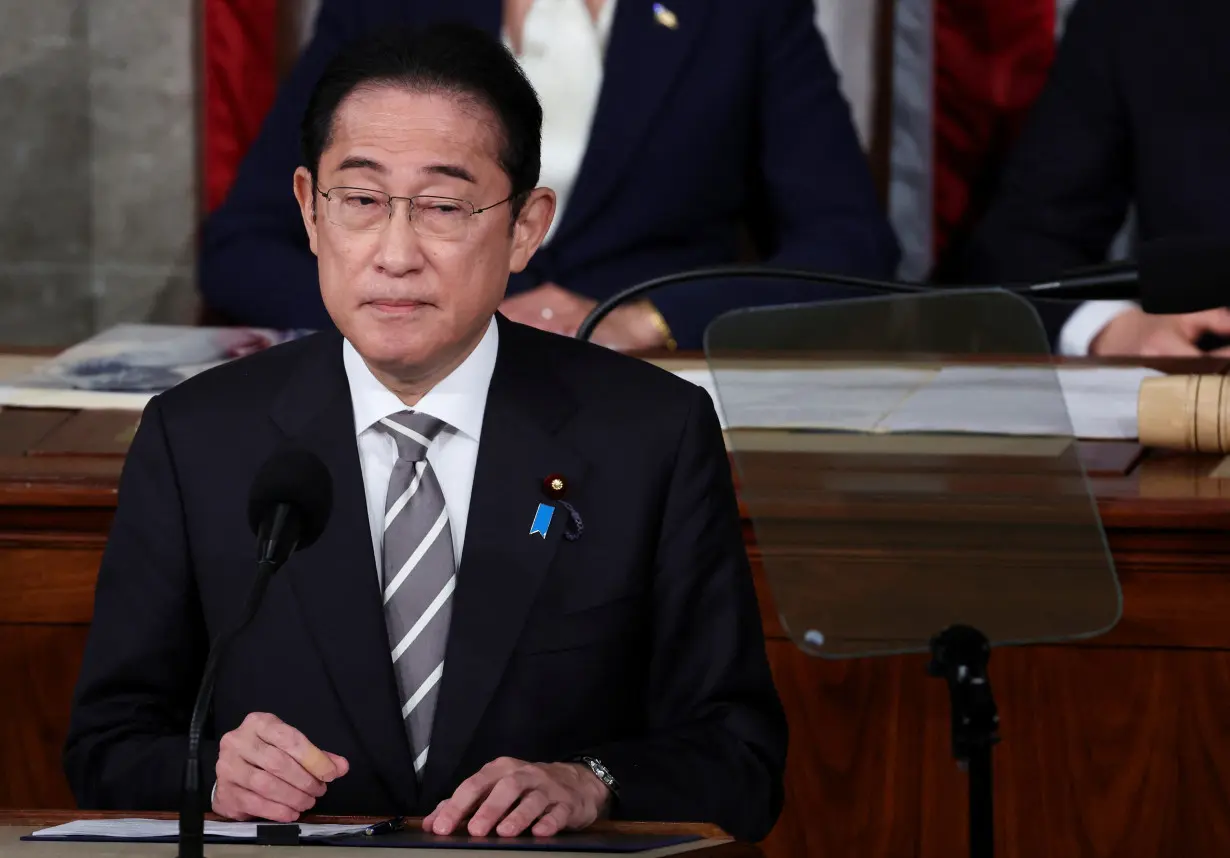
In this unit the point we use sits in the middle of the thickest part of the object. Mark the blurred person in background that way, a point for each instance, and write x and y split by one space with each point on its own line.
669 129
1133 116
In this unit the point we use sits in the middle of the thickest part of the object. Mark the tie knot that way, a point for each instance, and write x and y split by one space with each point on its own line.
413 433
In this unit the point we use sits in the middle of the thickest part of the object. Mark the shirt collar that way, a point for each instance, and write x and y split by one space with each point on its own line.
459 399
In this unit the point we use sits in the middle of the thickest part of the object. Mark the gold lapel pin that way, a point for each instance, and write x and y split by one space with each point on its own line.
665 17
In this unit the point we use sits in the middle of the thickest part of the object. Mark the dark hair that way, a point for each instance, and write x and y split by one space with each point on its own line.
451 59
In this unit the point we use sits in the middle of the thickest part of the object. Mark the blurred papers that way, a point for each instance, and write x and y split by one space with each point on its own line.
1096 402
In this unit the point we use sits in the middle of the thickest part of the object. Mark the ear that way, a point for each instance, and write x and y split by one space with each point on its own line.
531 227
305 193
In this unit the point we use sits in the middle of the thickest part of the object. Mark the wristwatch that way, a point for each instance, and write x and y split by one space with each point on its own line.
600 771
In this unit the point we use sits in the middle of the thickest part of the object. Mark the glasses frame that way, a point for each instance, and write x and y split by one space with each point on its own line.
466 204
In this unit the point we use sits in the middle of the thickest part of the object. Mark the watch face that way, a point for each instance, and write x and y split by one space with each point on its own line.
601 772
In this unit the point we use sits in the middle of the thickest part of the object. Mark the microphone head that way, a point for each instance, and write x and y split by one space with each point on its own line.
297 478
1184 274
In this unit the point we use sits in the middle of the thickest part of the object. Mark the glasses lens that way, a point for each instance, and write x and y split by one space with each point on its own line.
353 208
441 217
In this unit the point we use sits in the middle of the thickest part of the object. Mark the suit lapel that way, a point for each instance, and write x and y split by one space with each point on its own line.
643 63
502 565
335 580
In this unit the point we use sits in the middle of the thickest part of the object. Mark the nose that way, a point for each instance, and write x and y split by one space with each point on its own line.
400 250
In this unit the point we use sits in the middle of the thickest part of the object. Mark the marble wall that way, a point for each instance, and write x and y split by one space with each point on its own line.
98 195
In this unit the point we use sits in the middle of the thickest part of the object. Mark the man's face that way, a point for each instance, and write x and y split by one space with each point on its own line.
409 303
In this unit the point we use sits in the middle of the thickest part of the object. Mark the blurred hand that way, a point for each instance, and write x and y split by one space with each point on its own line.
510 796
552 308
630 327
269 770
1135 332
549 308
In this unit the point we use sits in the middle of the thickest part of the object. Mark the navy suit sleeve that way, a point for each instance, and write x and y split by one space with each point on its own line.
718 746
1067 186
256 267
128 732
814 177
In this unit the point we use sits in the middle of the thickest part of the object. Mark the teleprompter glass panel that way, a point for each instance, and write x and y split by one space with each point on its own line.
908 464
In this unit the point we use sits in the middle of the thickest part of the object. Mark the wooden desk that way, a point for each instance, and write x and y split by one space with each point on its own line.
16 823
1119 746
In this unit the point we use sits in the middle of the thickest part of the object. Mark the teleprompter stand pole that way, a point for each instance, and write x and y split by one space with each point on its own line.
960 654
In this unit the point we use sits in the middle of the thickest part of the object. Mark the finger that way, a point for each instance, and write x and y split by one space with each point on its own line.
253 805
269 786
472 791
1215 321
290 740
499 801
224 806
553 821
523 814
339 762
282 765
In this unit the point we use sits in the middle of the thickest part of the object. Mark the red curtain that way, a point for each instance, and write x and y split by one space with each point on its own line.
240 80
991 60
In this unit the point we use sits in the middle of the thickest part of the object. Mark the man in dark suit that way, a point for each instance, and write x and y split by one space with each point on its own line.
457 643
711 114
1133 115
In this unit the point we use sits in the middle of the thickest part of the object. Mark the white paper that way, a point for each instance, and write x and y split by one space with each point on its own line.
132 829
1088 402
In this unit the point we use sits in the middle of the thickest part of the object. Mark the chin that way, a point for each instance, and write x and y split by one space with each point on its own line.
400 342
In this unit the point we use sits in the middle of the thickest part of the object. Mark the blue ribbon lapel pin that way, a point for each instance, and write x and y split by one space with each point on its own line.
542 520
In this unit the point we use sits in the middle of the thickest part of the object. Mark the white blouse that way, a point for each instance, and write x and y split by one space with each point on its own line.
562 53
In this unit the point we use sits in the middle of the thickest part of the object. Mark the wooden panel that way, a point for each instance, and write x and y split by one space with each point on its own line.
59 482
38 669
90 433
21 428
1110 458
48 585
853 765
1170 609
1106 754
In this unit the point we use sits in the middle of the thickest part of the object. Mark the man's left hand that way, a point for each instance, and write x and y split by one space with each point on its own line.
508 796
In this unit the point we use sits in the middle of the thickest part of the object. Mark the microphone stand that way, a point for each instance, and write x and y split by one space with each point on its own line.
959 655
1109 282
271 554
600 312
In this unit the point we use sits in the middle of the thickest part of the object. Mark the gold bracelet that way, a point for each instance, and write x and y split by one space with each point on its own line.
659 322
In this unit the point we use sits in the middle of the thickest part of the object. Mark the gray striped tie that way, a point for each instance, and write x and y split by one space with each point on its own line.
419 574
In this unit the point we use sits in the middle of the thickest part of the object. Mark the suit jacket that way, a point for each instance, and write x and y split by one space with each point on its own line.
640 642
735 116
1133 114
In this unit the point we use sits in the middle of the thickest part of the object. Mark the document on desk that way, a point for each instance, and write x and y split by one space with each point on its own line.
588 842
168 830
1088 402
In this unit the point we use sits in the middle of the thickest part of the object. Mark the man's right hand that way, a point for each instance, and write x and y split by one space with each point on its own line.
1139 334
269 770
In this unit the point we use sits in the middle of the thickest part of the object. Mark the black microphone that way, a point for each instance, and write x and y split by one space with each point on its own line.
1177 274
1180 274
288 507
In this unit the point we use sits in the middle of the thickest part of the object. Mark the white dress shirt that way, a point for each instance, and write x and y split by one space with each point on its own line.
460 400
562 52
1083 326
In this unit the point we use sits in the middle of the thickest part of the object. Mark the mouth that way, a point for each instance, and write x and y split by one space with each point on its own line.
397 306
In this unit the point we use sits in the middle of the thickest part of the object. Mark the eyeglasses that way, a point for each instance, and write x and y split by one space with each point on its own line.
432 217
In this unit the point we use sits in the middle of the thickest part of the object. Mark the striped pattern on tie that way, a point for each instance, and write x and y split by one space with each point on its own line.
418 574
